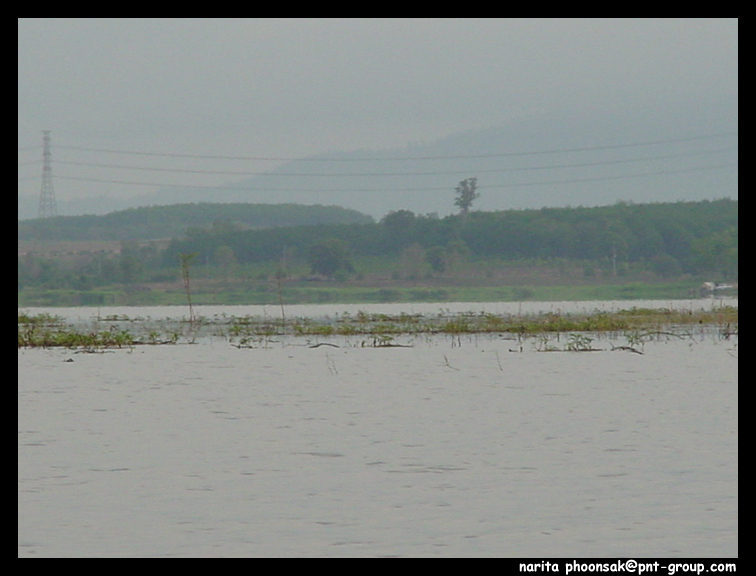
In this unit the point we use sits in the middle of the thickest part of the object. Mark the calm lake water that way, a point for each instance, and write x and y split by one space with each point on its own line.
451 447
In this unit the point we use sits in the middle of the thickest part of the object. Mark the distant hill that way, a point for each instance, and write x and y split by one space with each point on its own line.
554 158
154 222
525 164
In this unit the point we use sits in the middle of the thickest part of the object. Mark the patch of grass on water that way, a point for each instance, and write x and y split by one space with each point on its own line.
49 331
33 336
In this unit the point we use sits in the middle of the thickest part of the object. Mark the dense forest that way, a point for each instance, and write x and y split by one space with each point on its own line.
154 222
698 239
687 236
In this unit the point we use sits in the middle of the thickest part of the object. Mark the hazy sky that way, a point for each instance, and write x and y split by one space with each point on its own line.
294 87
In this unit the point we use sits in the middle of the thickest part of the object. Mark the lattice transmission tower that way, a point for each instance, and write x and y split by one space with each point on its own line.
47 206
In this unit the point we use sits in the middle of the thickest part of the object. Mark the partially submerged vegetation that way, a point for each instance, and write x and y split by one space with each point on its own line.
46 331
637 325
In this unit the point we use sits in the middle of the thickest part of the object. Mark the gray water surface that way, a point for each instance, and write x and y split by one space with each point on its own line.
451 447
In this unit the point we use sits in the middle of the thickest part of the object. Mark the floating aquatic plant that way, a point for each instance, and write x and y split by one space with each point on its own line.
636 325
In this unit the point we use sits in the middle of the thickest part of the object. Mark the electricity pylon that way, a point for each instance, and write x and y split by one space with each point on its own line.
47 206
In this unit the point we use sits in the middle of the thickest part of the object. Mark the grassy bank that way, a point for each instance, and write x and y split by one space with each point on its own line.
376 279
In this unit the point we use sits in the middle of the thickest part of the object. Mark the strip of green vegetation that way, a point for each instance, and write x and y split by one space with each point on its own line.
41 333
478 323
46 332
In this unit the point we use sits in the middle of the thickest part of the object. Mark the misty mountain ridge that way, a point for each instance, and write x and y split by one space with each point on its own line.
543 159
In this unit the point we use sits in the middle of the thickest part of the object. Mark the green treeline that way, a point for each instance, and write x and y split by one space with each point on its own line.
153 222
666 239
693 237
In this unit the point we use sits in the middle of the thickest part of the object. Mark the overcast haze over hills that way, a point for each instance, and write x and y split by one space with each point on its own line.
674 170
544 112
589 160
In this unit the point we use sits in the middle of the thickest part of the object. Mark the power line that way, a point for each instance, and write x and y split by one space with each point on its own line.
399 158
263 188
373 174
393 189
